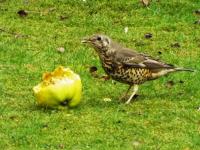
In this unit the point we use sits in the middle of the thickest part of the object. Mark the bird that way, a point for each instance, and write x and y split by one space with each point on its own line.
126 65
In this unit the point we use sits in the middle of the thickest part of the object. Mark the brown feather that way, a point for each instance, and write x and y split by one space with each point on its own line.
131 58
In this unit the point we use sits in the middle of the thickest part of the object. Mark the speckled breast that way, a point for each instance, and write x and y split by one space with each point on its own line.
131 75
126 74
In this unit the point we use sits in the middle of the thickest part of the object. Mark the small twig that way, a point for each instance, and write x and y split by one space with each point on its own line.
42 12
13 33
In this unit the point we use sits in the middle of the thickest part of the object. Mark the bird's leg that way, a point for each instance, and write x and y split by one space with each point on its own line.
135 89
124 95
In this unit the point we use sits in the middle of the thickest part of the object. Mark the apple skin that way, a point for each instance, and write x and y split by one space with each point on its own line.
63 87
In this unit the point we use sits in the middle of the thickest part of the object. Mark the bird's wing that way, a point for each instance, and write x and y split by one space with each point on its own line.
130 58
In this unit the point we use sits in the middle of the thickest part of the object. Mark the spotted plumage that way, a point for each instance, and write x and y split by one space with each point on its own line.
126 65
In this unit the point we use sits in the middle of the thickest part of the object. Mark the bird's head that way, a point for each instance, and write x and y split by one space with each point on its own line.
101 43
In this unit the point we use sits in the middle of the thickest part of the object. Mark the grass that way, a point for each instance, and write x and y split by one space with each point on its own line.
160 118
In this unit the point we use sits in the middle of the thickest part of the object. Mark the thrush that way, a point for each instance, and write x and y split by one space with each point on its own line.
126 65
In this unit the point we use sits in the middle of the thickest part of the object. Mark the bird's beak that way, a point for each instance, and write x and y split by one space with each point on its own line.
85 40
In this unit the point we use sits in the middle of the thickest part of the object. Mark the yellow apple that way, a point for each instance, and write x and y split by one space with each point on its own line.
60 87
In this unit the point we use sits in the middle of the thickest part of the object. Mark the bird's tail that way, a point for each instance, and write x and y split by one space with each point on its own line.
163 72
183 69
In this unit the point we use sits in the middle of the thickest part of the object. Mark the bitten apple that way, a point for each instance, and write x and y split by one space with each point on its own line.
59 88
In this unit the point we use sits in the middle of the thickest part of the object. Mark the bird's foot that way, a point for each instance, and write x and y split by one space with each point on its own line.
123 98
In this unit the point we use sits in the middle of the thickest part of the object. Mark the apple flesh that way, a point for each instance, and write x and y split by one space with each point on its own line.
61 87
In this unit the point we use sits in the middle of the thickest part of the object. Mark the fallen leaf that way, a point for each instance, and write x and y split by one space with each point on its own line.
61 146
107 100
180 93
169 84
197 12
45 126
63 17
122 110
13 117
22 13
61 49
105 77
93 69
92 12
175 45
119 121
145 2
148 35
126 29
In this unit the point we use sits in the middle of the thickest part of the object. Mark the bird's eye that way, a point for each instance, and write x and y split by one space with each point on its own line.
99 38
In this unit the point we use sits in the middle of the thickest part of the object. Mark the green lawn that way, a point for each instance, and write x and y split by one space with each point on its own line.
162 117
